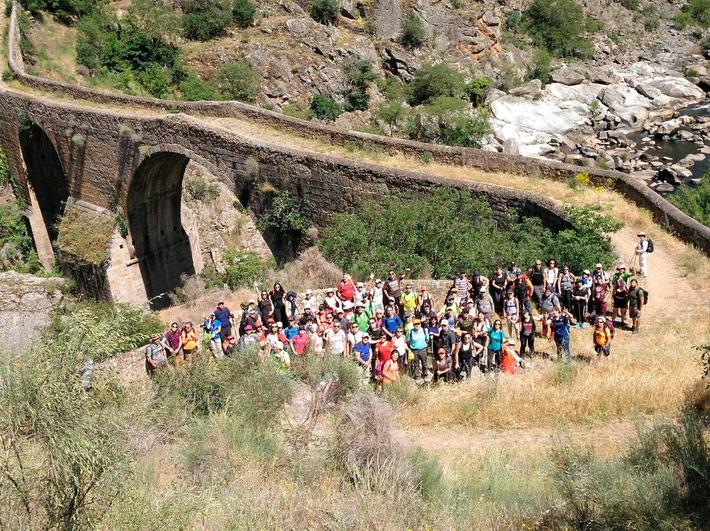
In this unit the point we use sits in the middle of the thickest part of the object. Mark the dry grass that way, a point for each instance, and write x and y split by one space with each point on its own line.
56 51
309 270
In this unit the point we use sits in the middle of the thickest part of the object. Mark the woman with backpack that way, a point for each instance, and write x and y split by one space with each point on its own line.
637 300
620 294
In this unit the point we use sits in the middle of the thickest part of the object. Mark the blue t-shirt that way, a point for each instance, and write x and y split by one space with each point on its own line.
392 323
561 323
418 339
212 328
364 350
496 339
223 316
291 332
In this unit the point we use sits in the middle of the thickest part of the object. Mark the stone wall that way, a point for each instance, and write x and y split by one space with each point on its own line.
663 212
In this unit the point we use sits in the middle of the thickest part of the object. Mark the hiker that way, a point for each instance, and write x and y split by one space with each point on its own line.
309 302
551 272
601 338
226 319
637 300
511 312
523 289
509 359
418 340
155 358
291 306
498 284
377 295
496 337
560 326
642 250
362 351
408 299
249 337
549 301
443 366
462 285
335 339
527 334
266 307
299 342
171 342
484 303
580 296
212 327
393 286
229 345
600 287
467 355
565 286
619 294
189 339
537 279
277 299
391 369
346 289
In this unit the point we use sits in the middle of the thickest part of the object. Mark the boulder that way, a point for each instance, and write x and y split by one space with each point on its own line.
568 76
664 187
297 26
387 20
26 304
668 127
493 95
490 19
531 89
675 87
585 93
542 116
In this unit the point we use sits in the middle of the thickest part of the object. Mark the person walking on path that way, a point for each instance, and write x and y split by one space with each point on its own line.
637 300
642 251
155 357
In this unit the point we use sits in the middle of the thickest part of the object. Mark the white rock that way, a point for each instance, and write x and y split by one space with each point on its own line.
543 116
675 87
585 92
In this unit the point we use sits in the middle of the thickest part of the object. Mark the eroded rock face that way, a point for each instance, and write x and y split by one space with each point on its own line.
26 304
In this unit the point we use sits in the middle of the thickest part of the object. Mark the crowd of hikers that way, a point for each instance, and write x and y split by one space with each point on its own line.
483 324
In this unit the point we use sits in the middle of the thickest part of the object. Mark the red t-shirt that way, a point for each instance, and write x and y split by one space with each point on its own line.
300 342
384 350
346 290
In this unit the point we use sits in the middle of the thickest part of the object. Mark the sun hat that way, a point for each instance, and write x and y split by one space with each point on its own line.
309 291
642 233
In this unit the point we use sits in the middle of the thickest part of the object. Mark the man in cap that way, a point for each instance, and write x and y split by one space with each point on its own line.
155 357
226 319
642 253
418 340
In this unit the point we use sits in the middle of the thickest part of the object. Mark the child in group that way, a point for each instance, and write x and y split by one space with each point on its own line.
601 336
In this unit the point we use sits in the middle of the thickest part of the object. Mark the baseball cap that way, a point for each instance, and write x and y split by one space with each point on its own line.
359 285
309 291
598 266
444 323
347 305
365 336
377 281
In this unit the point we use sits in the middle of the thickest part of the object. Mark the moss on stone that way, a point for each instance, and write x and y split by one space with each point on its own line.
85 235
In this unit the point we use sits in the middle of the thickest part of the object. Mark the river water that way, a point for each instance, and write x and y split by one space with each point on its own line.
675 148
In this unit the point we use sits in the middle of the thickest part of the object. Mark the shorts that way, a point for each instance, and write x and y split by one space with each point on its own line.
634 312
606 350
620 302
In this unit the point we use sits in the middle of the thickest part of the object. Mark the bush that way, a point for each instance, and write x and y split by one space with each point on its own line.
433 81
410 234
325 11
200 189
66 11
694 200
194 88
413 32
542 65
694 13
204 19
242 268
558 26
16 246
360 75
476 90
449 121
285 214
631 5
325 108
236 80
243 13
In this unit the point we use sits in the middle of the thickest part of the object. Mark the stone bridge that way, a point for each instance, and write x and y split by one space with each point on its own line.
126 156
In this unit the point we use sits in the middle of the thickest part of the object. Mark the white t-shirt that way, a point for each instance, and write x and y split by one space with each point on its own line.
377 296
335 340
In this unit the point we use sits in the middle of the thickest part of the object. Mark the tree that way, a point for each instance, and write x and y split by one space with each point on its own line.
237 81
360 75
476 89
243 13
205 19
433 81
325 108
413 32
559 26
325 11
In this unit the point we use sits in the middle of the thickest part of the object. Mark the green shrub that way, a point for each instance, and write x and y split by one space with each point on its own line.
194 88
651 23
476 90
559 26
325 108
200 189
204 19
694 13
325 11
286 214
360 75
392 113
449 121
66 11
243 13
27 47
631 5
242 268
295 110
433 81
99 331
237 80
694 200
542 65
410 233
514 21
16 246
413 32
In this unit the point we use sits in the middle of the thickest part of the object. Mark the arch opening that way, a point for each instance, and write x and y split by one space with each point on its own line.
45 176
161 244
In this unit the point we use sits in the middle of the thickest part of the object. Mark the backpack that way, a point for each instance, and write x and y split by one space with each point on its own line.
645 296
649 249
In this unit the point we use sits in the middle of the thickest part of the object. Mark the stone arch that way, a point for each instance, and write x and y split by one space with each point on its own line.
46 180
160 244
